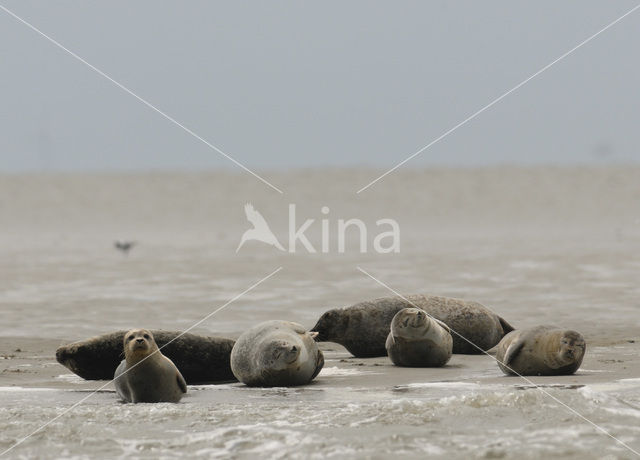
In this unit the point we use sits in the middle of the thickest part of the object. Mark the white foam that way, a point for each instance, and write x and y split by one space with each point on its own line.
609 403
24 389
70 378
339 371
441 385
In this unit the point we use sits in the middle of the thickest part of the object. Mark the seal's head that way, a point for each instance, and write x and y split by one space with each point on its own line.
572 347
410 323
138 343
330 326
279 355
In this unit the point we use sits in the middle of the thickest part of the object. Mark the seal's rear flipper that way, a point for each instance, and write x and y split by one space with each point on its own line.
316 333
512 351
506 327
319 365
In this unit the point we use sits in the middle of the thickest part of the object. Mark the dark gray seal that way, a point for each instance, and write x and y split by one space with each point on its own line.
417 340
541 350
200 359
276 353
363 328
146 375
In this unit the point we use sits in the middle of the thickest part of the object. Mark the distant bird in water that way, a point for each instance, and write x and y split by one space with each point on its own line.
260 230
124 246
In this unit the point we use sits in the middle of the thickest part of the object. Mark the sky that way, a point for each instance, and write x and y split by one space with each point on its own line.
286 85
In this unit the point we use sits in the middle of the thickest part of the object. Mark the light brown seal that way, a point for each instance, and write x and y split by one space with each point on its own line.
363 328
417 340
541 350
146 375
276 353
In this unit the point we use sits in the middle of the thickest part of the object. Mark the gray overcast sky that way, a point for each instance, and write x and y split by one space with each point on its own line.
292 84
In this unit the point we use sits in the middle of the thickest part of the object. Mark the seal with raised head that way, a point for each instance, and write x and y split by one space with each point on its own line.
417 340
276 353
201 359
363 328
146 375
541 350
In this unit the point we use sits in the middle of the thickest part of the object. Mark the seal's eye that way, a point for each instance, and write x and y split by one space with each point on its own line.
146 336
130 337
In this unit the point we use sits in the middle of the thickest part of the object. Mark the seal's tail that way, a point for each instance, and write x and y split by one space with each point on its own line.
506 327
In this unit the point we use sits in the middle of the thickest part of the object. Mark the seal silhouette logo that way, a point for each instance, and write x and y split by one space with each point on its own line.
260 230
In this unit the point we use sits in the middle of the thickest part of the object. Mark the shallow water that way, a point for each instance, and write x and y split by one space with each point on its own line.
449 420
538 246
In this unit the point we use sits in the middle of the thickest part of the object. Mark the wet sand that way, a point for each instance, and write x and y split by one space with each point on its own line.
30 363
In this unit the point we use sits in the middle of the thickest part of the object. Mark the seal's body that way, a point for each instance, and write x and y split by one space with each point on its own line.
276 353
200 359
363 328
541 350
416 340
146 375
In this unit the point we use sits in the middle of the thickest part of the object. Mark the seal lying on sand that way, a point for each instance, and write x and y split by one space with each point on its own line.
276 353
200 359
541 350
363 328
416 340
146 375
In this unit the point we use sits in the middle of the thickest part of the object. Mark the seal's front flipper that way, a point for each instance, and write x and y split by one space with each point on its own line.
443 324
391 341
181 382
512 351
122 385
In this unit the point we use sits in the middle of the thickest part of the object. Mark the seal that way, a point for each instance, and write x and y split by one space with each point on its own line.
363 328
146 375
417 340
541 350
201 359
276 353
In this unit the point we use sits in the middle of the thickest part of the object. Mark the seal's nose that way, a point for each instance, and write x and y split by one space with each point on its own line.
140 340
61 355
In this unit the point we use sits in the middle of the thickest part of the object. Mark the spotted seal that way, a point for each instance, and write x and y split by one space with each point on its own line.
363 328
541 350
201 359
146 375
276 353
417 340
